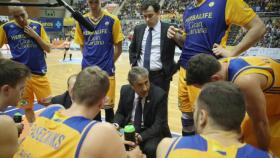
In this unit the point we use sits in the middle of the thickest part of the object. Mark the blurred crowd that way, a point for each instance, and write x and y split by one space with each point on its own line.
172 11
131 10
271 38
264 5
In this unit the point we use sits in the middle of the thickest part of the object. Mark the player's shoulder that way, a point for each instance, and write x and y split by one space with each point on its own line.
114 17
252 80
47 112
6 118
100 131
87 14
164 147
12 22
252 152
103 127
7 123
33 22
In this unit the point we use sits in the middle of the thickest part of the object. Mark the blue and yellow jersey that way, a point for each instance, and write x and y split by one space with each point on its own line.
209 23
55 135
24 48
98 46
201 147
240 66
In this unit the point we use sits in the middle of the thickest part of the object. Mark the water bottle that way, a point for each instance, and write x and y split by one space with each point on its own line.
129 135
18 119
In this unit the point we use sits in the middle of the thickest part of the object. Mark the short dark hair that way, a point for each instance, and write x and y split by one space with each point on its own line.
224 102
12 72
200 68
91 85
145 5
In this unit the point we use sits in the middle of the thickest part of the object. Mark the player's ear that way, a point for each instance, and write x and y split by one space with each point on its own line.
102 102
203 118
5 90
216 77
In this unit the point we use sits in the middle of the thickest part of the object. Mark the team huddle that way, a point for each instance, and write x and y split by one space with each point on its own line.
229 103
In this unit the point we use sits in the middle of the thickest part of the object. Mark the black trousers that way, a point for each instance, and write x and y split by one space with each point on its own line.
149 147
109 115
159 79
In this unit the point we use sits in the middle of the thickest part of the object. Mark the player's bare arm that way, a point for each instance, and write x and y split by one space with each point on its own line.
177 35
110 144
118 51
163 147
44 45
252 87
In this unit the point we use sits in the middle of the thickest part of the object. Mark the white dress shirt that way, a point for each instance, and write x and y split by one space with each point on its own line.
155 62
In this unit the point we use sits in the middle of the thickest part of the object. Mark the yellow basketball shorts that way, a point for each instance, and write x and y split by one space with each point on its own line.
111 93
38 86
186 94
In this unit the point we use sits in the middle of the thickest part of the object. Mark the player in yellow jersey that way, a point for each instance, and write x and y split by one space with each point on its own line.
206 29
219 111
71 133
102 47
28 42
13 76
259 80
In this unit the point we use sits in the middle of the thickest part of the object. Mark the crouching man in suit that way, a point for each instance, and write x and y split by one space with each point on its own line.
144 105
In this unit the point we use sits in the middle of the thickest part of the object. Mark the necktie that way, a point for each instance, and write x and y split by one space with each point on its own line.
148 48
138 115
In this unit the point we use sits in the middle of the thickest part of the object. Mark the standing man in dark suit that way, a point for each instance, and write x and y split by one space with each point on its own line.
145 106
150 47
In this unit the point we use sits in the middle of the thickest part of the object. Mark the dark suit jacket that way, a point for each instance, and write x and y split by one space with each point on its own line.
63 99
167 49
155 112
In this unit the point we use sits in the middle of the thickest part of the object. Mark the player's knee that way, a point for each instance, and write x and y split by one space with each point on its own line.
187 124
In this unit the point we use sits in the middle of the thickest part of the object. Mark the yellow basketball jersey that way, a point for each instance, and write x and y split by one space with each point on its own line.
198 146
54 135
268 67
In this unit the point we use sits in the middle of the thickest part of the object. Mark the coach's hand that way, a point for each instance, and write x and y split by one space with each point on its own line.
138 138
28 30
218 50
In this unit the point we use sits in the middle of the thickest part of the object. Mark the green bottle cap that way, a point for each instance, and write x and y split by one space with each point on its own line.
18 114
129 129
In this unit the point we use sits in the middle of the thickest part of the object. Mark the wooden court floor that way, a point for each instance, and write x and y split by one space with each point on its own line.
58 72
